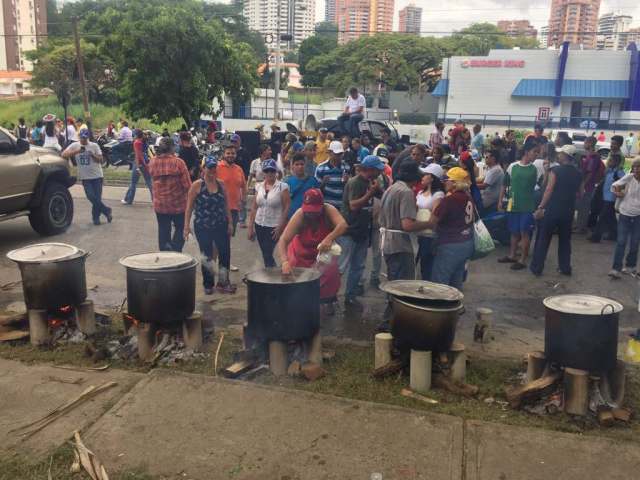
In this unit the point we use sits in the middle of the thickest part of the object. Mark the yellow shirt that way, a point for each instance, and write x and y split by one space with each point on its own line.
322 151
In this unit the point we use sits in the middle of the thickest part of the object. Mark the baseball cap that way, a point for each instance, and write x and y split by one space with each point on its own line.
567 149
381 151
336 147
409 172
457 174
211 161
235 138
433 169
297 146
85 133
313 201
269 164
372 161
323 130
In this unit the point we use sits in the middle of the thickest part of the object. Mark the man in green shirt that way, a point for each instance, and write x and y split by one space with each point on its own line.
520 182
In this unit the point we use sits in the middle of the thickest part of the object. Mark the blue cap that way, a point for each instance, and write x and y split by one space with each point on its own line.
235 138
85 133
269 164
372 161
211 161
297 146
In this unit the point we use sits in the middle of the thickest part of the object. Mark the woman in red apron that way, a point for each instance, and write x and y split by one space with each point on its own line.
312 230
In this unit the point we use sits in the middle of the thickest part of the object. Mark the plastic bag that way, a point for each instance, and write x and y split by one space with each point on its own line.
632 353
482 242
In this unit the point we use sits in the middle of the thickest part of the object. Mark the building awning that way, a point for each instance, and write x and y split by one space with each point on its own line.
442 88
529 87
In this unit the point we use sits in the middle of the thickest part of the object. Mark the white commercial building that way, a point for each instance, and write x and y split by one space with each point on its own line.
612 31
558 87
297 17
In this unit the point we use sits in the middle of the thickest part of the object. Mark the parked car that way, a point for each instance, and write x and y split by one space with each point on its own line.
34 181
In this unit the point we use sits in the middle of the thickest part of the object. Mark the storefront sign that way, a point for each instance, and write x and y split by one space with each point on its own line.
492 64
543 113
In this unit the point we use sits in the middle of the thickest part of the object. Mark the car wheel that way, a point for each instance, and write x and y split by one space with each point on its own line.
55 212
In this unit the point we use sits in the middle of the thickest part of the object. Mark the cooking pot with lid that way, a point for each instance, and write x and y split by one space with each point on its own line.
283 307
161 286
53 274
581 331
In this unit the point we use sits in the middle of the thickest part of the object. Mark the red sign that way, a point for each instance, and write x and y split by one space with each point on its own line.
492 64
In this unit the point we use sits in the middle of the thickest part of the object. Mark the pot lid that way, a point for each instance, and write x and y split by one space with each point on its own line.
422 290
156 260
582 304
274 275
42 253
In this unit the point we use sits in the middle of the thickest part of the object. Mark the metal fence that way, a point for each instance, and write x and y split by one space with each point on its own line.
296 112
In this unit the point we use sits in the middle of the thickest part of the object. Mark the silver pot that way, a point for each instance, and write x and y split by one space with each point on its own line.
53 275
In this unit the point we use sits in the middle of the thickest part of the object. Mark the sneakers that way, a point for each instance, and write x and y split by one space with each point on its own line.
109 217
124 202
228 288
614 273
629 271
233 268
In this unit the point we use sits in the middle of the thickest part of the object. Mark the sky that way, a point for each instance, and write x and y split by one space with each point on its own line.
457 14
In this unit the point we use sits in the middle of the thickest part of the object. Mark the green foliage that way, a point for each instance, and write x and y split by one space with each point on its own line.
313 47
479 38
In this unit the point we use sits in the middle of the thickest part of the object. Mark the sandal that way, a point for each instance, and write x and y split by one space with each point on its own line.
226 288
507 260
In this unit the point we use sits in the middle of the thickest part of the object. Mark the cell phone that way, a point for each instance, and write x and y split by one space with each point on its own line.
82 149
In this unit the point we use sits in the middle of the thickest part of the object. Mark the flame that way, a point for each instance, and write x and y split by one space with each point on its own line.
66 309
132 319
56 322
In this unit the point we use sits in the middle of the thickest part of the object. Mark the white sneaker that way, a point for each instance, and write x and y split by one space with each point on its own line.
614 273
233 268
124 202
629 271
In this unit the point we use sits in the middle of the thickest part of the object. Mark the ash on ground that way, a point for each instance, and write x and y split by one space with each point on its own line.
169 350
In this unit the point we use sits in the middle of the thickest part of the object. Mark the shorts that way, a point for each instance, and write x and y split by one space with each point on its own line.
520 222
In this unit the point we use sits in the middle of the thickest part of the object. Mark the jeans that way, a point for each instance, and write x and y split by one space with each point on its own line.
426 254
628 231
166 241
242 213
267 244
607 222
235 215
376 254
400 266
349 123
546 229
135 175
584 208
354 255
93 191
450 261
207 238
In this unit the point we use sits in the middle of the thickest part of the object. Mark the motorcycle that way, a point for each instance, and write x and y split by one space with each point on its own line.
116 153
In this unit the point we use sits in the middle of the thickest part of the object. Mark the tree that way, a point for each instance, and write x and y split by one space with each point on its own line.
479 38
315 46
171 62
327 29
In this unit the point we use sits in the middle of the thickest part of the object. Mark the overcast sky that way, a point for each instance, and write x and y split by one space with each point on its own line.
457 14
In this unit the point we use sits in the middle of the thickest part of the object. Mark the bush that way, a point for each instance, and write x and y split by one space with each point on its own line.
414 118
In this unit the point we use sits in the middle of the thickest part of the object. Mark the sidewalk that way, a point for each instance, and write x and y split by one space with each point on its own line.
191 426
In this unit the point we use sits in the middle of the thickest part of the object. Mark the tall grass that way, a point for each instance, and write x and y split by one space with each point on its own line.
33 109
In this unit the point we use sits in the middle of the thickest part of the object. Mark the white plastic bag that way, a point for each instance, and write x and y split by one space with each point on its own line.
482 242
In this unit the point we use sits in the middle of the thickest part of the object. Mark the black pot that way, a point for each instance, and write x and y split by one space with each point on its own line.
283 308
54 284
421 327
581 331
162 296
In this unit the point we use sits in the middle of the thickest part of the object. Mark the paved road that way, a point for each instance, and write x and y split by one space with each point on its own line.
516 297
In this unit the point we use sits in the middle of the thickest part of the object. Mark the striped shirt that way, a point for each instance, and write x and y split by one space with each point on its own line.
334 186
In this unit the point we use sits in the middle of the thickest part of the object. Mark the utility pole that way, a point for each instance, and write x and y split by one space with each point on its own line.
83 83
276 80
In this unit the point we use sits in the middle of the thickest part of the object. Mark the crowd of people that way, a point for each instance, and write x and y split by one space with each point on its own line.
344 199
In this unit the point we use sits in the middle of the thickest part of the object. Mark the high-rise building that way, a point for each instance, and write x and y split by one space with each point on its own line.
23 23
297 17
633 35
330 11
543 37
612 31
575 21
410 19
356 18
518 28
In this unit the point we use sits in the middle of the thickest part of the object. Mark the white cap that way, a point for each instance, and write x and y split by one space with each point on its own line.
567 149
434 169
336 147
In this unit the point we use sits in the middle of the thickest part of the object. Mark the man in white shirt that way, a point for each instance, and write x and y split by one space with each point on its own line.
627 190
125 134
353 113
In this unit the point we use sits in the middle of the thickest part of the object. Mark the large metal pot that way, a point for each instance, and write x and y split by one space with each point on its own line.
161 286
53 275
581 331
283 307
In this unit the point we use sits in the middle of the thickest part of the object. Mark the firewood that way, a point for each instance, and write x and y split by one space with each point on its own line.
457 388
383 345
420 371
605 417
405 392
394 366
536 363
532 391
238 368
576 391
622 414
11 320
13 335
313 371
295 369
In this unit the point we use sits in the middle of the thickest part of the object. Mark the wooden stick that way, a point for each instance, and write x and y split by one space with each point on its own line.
576 391
215 360
86 318
420 371
531 391
39 327
383 344
394 366
445 383
405 392
536 362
